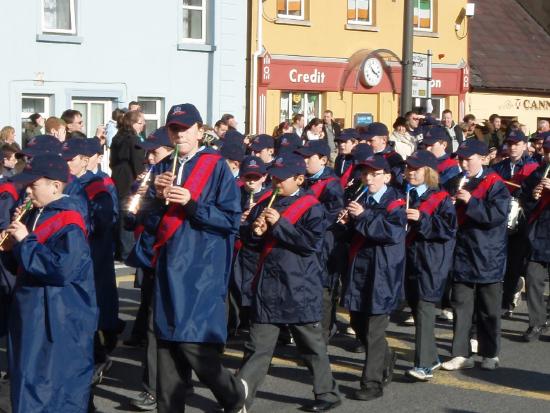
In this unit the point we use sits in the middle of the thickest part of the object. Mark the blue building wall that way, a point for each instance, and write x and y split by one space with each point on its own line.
124 49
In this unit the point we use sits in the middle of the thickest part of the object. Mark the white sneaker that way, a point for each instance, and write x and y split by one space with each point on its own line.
458 363
446 315
245 385
473 345
409 321
490 363
350 331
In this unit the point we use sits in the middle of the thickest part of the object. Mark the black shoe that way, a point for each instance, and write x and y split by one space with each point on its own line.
145 401
100 369
358 347
533 333
388 370
135 342
368 393
321 406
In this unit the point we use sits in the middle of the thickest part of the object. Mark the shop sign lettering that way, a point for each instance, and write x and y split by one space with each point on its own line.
526 104
315 77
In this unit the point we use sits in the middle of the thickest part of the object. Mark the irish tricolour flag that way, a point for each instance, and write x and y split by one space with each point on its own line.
423 14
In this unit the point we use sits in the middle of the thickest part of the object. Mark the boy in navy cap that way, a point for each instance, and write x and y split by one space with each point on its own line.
287 142
263 147
514 170
536 201
436 140
102 213
234 154
322 183
344 160
192 259
287 286
482 204
377 137
430 244
373 287
253 175
53 314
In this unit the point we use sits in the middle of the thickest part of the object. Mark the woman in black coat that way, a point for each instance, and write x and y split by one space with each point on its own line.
127 162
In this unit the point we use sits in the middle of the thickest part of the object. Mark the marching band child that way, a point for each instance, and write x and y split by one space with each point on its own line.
53 315
430 246
373 288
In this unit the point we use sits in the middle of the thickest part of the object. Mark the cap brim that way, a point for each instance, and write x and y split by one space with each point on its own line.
250 173
149 146
24 178
178 123
280 173
305 152
370 165
258 148
415 163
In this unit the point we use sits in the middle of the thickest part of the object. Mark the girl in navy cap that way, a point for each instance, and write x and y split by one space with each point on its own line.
53 316
430 245
373 287
288 234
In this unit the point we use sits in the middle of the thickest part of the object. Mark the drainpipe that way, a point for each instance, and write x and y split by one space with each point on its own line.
255 57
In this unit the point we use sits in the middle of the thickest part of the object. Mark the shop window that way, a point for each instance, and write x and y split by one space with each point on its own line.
194 21
359 12
306 103
94 112
423 15
58 16
153 112
290 9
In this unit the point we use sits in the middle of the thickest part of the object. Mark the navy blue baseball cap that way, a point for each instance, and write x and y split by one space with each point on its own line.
546 144
471 147
262 141
433 135
541 136
233 152
42 144
376 129
156 139
184 114
376 162
422 158
347 134
47 165
287 142
515 136
233 137
311 148
361 152
94 145
287 165
252 165
74 147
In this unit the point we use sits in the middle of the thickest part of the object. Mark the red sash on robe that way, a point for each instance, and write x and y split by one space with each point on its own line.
479 192
55 223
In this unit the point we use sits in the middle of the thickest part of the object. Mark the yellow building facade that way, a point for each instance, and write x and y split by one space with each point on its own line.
318 54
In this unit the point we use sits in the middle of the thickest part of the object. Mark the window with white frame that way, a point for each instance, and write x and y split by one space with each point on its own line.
33 104
290 9
194 21
305 103
153 112
360 12
95 112
58 16
423 15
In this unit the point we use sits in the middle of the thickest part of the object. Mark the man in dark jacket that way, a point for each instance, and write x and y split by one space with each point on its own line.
480 258
288 282
452 130
331 129
536 202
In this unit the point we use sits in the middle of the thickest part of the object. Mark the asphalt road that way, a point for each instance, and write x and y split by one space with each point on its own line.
521 384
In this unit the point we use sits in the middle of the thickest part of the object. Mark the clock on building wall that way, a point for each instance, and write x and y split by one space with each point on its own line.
372 72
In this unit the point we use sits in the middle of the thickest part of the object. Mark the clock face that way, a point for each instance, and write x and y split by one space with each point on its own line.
372 71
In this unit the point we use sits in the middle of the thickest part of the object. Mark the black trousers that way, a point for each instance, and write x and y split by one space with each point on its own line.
485 301
535 284
149 364
330 301
176 360
424 323
139 330
309 341
518 246
371 331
